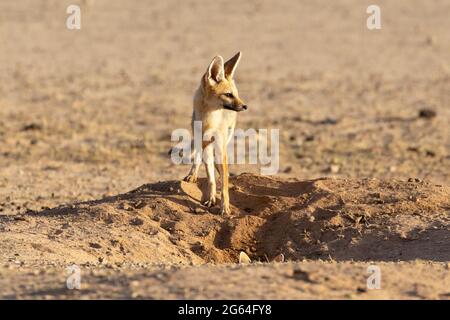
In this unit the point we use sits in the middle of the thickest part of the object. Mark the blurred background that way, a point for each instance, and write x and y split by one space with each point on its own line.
88 113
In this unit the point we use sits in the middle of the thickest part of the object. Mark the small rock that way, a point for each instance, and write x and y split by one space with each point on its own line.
427 113
140 204
329 121
430 153
175 238
125 206
137 222
309 138
413 149
298 155
244 258
279 258
430 40
375 195
31 127
287 169
361 289
302 275
334 168
95 245
199 210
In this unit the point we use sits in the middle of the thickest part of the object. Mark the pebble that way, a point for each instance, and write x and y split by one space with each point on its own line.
427 113
287 169
334 168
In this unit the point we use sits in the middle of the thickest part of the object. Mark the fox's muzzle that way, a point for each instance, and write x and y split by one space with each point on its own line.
235 108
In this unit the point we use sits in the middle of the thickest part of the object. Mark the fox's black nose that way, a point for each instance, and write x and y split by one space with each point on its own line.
244 107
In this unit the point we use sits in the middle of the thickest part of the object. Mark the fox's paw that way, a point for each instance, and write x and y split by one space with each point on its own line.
190 178
225 210
210 202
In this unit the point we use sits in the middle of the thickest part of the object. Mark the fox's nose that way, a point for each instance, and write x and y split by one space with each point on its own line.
244 107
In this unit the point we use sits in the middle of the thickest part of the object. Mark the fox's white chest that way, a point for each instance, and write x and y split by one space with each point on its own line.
220 120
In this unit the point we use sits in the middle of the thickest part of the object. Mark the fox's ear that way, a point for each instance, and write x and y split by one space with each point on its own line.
215 70
230 65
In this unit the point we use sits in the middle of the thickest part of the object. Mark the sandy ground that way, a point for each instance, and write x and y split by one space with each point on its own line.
86 116
301 280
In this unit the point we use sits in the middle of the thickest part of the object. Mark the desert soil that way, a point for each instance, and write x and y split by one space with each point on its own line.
85 124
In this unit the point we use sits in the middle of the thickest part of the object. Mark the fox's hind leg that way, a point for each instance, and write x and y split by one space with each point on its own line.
197 161
193 172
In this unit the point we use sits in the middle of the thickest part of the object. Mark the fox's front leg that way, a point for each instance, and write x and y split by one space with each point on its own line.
225 200
209 164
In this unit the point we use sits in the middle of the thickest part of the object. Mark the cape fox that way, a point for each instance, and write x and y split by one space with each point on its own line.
216 103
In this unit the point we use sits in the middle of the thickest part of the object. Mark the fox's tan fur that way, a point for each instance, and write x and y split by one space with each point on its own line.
216 103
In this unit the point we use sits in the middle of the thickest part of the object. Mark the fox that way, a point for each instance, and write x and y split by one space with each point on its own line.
216 104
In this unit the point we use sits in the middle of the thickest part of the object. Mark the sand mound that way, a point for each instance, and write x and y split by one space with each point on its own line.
165 223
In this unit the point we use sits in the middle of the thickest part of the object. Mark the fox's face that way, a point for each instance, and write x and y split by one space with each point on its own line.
219 87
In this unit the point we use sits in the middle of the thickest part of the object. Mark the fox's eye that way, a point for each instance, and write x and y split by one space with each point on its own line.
229 95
